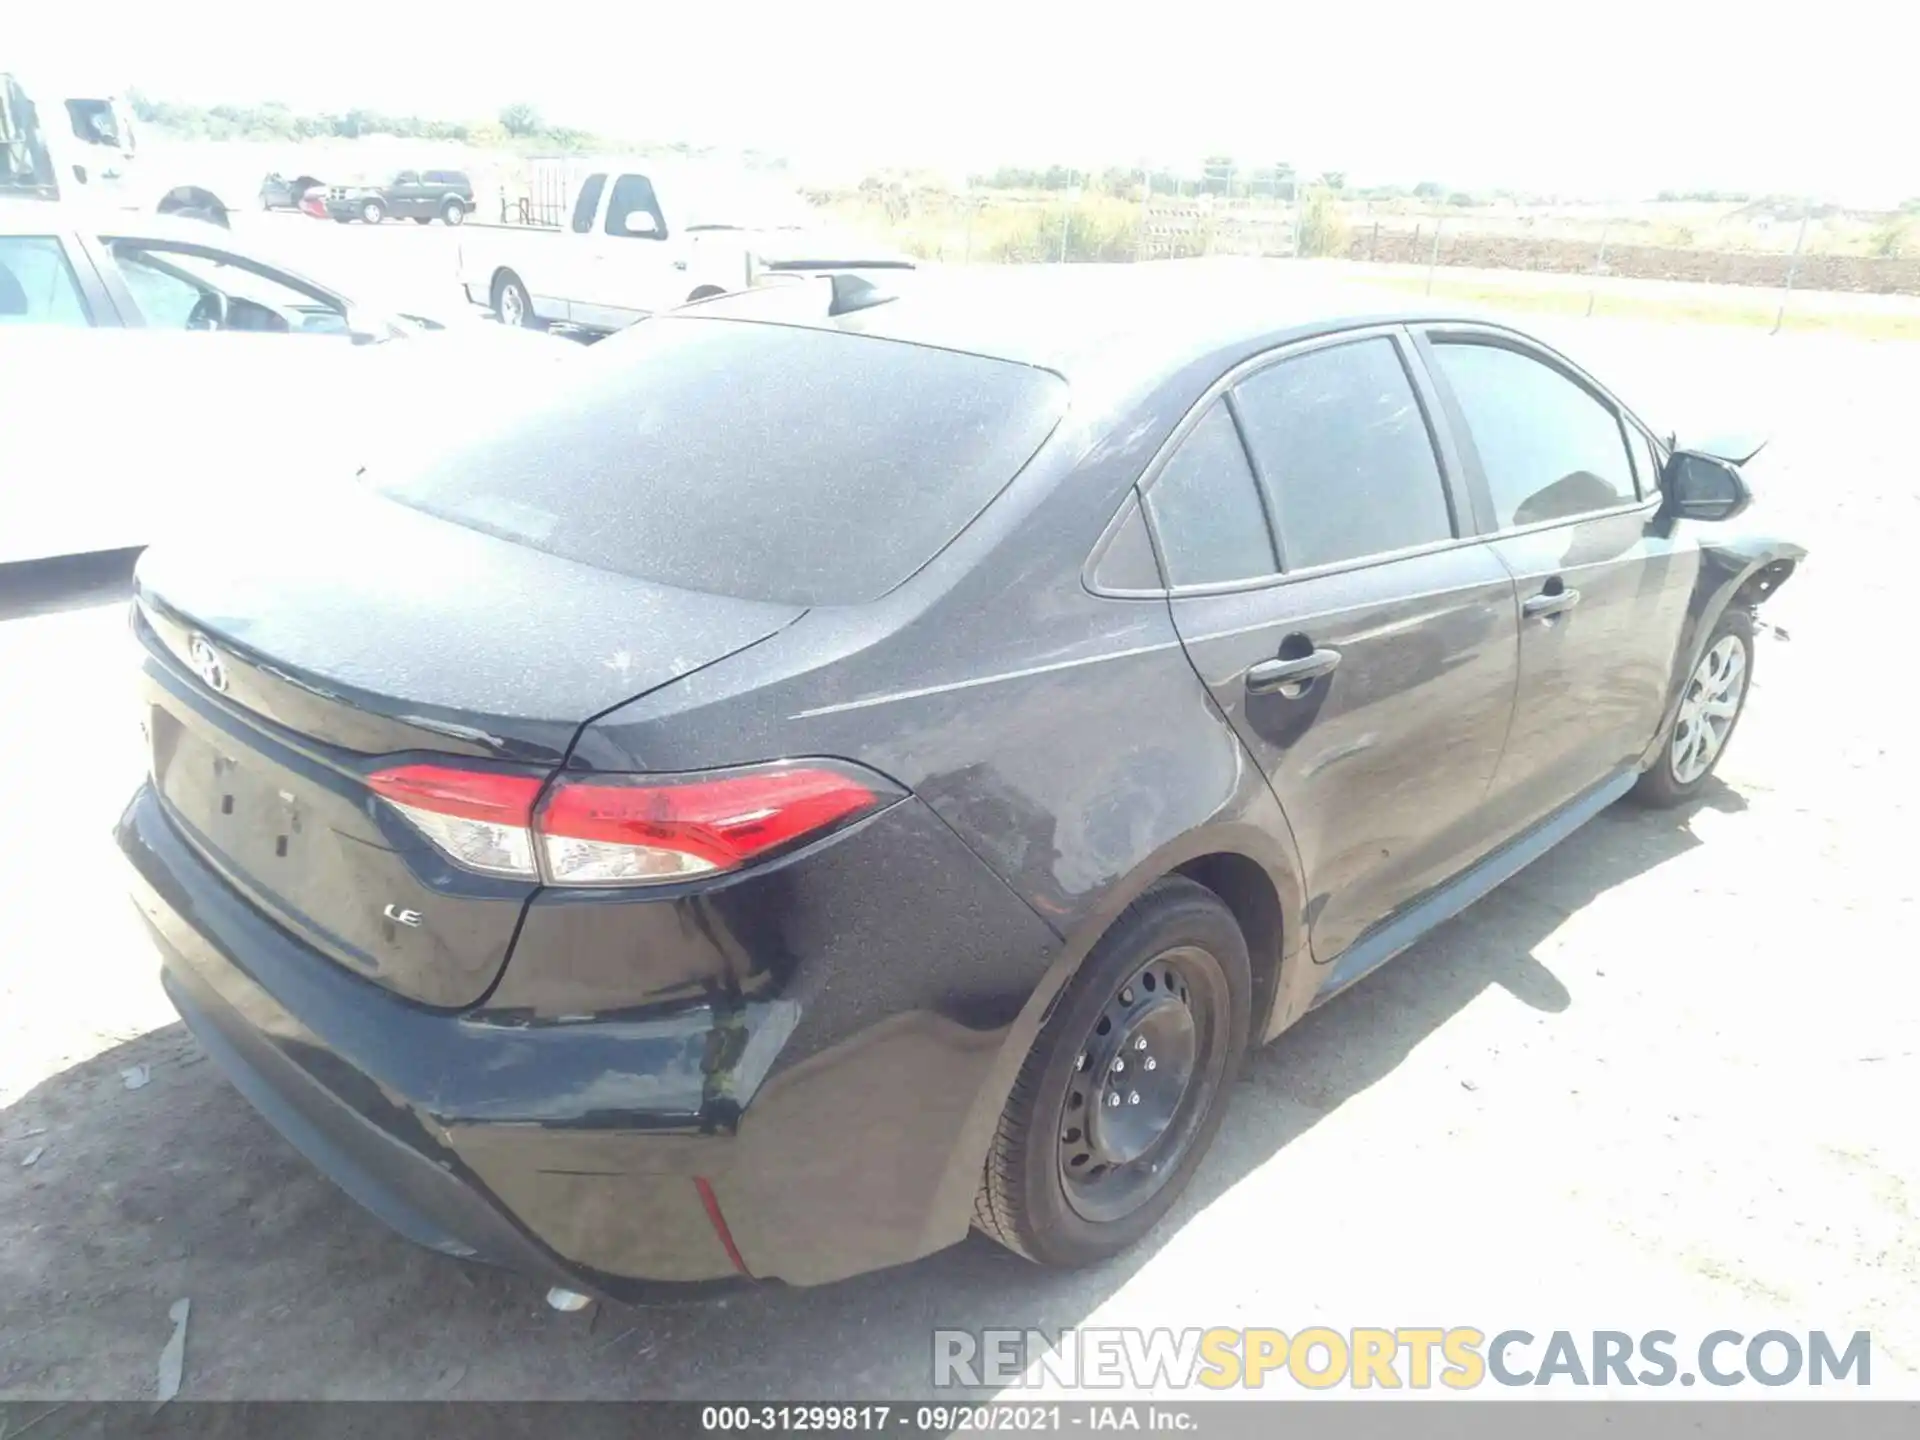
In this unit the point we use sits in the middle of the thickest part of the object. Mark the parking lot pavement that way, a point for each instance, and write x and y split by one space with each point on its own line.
1663 1079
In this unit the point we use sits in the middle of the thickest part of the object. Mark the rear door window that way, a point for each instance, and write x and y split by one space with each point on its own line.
1343 447
37 285
1206 509
769 462
1549 447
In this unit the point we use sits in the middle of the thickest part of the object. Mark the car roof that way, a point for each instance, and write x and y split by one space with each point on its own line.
1078 320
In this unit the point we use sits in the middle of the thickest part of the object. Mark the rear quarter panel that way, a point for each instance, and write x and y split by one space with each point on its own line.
1063 736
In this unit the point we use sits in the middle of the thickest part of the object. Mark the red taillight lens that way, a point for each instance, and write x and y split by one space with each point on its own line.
481 818
626 830
643 829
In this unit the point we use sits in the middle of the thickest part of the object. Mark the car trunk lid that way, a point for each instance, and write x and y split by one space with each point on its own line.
273 691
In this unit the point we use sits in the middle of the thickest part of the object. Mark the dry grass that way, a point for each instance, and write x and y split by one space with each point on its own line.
1689 306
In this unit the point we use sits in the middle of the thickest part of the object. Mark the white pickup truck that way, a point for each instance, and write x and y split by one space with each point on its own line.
642 241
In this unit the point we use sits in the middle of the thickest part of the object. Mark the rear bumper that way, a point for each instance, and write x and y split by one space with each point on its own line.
836 1127
439 1125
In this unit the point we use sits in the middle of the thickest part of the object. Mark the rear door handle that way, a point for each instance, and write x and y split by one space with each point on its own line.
1279 674
1549 603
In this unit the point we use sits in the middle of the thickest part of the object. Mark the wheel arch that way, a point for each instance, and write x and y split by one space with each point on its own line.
1244 860
1248 890
1732 574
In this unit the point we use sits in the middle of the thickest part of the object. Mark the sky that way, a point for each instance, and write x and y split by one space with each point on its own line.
1608 101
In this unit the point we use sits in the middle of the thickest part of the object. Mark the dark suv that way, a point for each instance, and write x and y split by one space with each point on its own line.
417 195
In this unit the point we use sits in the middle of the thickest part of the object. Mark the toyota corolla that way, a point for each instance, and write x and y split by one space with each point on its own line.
860 767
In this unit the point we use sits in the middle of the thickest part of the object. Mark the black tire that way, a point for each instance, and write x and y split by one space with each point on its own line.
1660 786
1026 1200
372 211
453 211
509 296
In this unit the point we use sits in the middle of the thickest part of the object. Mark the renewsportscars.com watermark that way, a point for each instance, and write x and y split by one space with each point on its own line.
1458 1358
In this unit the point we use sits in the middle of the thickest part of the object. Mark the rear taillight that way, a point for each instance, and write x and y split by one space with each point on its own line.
615 830
482 819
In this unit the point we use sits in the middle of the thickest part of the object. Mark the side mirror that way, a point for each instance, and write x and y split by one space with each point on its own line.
1703 487
368 327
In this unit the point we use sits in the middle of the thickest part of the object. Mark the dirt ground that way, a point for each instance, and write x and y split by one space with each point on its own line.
1663 1079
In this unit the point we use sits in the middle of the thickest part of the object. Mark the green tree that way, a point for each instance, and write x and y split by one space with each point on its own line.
1323 229
520 120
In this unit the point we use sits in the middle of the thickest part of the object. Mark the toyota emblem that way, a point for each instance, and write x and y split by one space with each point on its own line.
206 663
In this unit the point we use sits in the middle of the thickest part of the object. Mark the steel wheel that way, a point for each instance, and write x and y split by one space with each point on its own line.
513 310
1708 710
1159 1009
1139 1086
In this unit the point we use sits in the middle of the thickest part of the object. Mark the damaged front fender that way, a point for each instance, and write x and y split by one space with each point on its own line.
1743 570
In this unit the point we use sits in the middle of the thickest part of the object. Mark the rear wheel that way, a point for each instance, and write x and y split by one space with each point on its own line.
1711 706
1125 1085
453 210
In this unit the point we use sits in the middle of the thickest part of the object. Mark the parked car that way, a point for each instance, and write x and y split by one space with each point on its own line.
141 352
640 242
417 195
857 768
279 193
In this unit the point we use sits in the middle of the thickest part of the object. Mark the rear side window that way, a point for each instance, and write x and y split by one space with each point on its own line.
446 177
1207 511
768 462
37 286
587 202
1550 449
1344 449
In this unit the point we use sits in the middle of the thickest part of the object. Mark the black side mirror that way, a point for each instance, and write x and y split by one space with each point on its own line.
1701 487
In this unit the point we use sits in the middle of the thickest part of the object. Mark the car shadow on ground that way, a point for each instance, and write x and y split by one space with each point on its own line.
154 1180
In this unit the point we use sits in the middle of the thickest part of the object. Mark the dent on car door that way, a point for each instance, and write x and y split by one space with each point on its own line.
1561 478
1328 590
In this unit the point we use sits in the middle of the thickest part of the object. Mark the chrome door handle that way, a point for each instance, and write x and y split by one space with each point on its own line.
1549 603
1279 674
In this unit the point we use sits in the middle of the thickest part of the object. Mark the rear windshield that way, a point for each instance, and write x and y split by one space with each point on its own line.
762 461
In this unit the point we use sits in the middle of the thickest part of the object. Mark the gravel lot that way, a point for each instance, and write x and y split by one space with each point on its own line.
1663 1079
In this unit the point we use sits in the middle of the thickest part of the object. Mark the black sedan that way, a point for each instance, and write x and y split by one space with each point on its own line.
861 767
